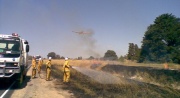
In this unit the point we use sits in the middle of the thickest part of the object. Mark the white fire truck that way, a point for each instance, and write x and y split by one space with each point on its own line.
13 58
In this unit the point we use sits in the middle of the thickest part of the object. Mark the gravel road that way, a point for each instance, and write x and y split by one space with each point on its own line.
40 88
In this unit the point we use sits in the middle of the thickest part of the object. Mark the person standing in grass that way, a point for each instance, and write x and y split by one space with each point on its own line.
66 70
48 69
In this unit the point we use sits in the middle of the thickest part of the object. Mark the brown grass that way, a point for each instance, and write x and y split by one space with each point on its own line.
80 63
100 63
84 87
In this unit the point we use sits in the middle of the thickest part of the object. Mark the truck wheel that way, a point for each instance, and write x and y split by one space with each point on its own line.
24 77
19 81
24 74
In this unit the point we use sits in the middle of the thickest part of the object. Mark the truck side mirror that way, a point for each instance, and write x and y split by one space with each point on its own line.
26 42
27 48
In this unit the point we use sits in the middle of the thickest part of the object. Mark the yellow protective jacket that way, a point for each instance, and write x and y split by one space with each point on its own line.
66 66
40 62
33 63
48 64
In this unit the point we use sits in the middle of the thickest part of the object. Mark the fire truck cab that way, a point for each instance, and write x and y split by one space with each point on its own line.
13 58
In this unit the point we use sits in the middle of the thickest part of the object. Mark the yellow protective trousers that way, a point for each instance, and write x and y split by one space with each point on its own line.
40 62
39 68
48 73
66 76
33 72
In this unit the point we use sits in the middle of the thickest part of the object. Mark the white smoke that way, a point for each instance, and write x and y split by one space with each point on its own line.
87 43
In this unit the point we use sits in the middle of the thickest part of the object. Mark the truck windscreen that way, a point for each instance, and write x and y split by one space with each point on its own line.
10 48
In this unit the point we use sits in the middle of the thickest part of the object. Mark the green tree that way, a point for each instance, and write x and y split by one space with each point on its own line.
62 57
161 40
121 58
110 55
137 51
79 58
133 52
57 56
52 54
91 58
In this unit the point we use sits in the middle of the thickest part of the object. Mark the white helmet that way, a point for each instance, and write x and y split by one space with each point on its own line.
49 58
66 58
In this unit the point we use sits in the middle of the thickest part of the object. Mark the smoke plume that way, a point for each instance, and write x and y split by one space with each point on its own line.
87 43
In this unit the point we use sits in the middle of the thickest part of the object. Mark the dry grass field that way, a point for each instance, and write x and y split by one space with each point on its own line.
148 80
99 64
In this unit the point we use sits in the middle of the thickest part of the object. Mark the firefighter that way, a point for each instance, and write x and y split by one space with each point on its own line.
33 67
40 62
66 70
48 69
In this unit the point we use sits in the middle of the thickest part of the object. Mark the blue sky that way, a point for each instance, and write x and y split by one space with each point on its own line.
48 24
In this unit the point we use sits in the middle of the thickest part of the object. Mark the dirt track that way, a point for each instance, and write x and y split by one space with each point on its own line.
40 88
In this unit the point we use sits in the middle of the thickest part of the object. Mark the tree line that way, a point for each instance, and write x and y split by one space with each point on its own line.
109 55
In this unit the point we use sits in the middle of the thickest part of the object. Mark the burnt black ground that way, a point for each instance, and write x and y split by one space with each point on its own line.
90 88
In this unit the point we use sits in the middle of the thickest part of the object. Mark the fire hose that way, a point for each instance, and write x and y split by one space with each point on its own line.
39 74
